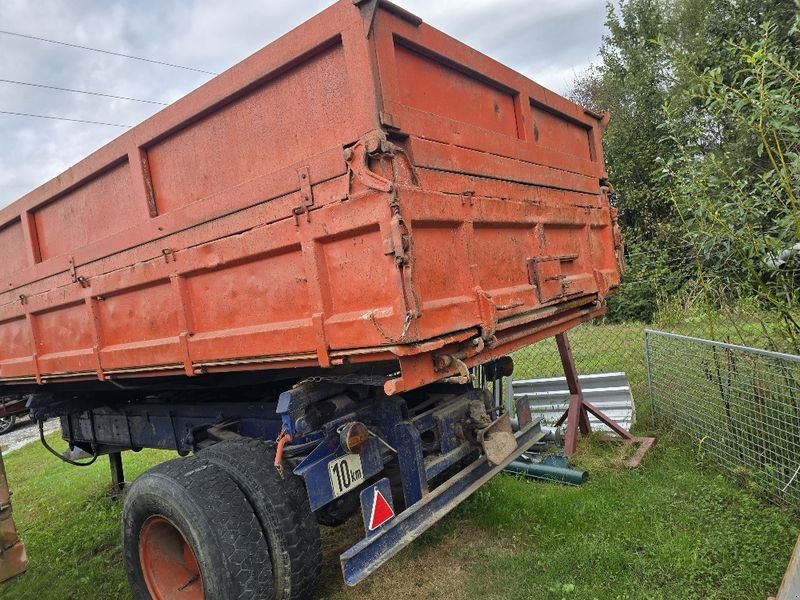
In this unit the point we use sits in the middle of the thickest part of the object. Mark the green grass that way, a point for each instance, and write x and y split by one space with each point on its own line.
669 530
69 524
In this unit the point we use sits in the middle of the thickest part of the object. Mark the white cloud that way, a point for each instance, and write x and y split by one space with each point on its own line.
547 40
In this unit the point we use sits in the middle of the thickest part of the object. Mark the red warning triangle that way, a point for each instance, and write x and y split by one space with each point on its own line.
381 511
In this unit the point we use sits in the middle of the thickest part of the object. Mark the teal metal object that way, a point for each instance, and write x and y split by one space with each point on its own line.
548 472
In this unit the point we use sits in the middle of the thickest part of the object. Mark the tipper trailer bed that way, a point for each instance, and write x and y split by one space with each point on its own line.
305 272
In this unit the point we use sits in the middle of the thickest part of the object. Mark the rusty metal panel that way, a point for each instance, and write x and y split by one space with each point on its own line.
559 133
549 397
454 94
12 241
256 134
97 209
315 206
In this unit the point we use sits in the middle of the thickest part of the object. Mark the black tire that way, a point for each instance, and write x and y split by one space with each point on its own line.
283 509
339 511
206 507
7 423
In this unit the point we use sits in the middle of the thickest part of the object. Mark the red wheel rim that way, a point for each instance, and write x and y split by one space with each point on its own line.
168 563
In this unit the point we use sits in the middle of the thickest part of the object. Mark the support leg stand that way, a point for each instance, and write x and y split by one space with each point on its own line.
577 415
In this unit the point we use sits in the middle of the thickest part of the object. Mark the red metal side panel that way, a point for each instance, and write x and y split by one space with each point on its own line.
453 94
443 92
12 242
256 133
100 208
178 246
553 132
16 341
511 205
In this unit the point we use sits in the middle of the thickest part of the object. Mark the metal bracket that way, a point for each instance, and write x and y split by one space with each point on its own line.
306 195
488 312
84 283
389 121
545 274
444 362
357 158
369 9
399 241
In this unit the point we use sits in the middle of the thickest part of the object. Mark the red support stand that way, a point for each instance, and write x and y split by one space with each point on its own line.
577 414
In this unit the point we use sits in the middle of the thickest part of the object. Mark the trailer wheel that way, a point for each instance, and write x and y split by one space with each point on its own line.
188 532
339 511
281 504
7 423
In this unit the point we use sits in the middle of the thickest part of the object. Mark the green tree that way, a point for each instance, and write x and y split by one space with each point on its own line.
736 181
630 83
658 61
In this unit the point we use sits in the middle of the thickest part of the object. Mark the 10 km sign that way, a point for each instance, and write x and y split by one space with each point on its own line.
346 473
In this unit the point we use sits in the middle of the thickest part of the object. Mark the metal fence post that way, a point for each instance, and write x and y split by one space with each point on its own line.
649 377
508 386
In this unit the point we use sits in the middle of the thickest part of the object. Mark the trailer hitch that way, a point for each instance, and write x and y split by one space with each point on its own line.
495 438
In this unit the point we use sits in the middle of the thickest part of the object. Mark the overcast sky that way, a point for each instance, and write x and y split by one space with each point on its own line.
547 40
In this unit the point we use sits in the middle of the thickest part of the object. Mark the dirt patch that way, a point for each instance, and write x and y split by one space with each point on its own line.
435 567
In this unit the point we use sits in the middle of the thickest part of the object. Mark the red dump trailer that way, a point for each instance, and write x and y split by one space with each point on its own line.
304 273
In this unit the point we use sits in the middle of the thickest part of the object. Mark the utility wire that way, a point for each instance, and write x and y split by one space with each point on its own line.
21 114
149 60
63 89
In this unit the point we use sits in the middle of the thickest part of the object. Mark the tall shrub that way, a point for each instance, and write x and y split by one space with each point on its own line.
736 180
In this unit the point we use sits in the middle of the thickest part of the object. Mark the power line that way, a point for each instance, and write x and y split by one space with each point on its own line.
63 89
21 114
112 53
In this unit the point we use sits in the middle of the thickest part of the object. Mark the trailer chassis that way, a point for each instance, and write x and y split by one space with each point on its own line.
440 444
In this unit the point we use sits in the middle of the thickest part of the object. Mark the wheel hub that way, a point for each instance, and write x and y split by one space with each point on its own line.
168 563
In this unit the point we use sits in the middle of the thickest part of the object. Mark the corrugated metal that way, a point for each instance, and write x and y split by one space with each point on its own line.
549 397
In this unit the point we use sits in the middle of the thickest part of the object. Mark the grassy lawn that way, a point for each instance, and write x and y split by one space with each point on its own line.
670 530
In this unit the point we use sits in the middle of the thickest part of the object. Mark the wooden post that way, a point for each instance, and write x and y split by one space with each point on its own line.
13 560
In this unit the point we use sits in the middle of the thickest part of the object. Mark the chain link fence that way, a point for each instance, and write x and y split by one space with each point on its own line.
739 405
604 347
